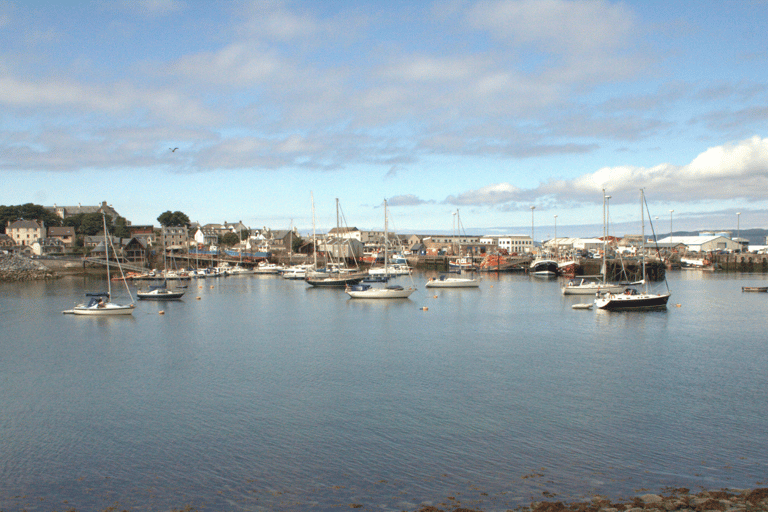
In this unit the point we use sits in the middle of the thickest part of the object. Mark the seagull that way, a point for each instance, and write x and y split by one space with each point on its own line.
173 150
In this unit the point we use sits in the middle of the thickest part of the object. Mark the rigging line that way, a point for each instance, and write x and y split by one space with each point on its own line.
655 240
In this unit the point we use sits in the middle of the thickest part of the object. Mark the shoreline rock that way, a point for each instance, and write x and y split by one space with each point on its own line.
14 267
680 500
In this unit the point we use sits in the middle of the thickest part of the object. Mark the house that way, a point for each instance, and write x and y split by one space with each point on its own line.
282 239
175 237
25 232
71 211
6 242
134 250
145 232
351 233
513 244
49 245
205 236
64 233
341 248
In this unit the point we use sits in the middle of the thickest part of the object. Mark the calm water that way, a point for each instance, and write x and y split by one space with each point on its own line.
269 395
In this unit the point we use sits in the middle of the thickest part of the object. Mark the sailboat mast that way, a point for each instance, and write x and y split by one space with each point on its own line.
106 255
642 231
386 242
314 235
605 234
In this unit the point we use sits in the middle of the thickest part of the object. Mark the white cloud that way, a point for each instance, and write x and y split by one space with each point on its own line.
730 171
558 26
736 170
490 195
118 98
405 200
151 8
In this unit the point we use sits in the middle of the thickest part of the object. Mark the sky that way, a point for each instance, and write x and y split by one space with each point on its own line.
486 107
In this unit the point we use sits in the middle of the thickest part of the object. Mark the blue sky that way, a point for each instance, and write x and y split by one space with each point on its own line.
490 107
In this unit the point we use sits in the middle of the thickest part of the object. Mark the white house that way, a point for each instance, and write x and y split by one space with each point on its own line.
511 243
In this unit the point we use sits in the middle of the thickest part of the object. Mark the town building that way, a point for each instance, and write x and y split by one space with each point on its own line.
64 233
174 237
513 244
25 232
706 243
70 211
205 236
6 242
145 232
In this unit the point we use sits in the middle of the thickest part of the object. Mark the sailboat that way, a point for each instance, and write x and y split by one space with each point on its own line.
161 291
448 281
100 304
631 299
589 285
331 277
366 291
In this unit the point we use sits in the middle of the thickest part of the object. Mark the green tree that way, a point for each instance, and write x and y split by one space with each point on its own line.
89 224
229 239
121 228
28 211
173 219
296 243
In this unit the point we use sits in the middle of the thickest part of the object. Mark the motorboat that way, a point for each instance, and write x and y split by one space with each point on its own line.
447 281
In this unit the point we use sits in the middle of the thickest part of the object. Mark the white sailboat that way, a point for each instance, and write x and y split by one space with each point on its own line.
590 285
631 299
366 291
161 291
100 304
331 277
449 281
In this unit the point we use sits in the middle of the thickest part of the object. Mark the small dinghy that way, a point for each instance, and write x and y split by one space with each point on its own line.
582 305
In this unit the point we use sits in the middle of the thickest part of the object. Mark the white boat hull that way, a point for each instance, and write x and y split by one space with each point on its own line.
381 293
108 309
592 288
453 282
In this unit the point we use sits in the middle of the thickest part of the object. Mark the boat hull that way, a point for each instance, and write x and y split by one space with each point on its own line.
453 282
380 293
592 289
108 310
167 295
338 281
623 302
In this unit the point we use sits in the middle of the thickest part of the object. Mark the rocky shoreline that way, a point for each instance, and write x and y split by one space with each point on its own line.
14 267
679 500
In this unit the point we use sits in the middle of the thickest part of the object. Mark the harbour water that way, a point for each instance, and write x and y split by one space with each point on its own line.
266 394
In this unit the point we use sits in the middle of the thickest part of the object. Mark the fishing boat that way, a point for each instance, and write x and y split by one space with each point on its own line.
366 291
631 299
544 266
100 304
